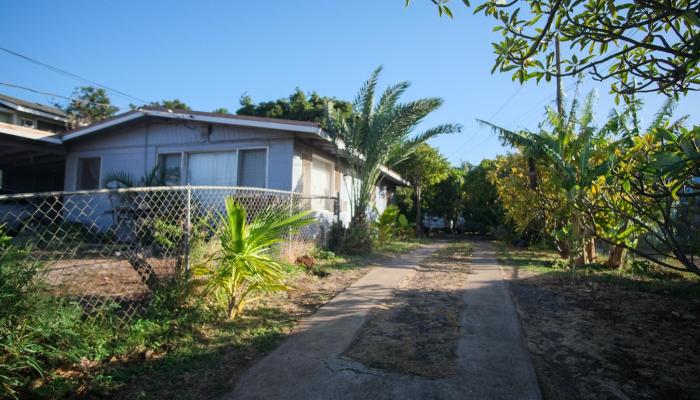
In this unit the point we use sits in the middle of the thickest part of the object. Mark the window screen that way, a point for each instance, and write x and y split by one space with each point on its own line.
169 169
211 169
252 168
88 173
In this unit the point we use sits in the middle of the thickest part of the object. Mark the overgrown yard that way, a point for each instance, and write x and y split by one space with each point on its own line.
417 330
607 334
193 353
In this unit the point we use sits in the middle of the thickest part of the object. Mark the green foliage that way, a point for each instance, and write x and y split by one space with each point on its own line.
298 106
89 105
167 235
154 177
652 46
387 224
444 198
377 135
245 265
482 207
174 104
326 255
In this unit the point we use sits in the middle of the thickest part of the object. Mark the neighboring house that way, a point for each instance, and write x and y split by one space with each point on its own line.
208 149
32 155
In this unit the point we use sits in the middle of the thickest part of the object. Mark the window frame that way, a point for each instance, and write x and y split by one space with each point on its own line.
32 126
79 175
181 166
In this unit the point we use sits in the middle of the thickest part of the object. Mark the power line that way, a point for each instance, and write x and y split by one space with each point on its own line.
70 74
498 110
56 95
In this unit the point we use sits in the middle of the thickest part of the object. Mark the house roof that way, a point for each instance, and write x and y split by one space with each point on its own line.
33 108
187 115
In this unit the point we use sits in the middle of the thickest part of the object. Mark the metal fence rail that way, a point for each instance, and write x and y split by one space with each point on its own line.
112 248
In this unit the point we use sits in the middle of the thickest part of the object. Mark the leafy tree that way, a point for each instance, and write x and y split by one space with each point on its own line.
652 190
378 134
221 110
89 105
482 209
532 212
298 106
174 104
642 46
424 167
444 198
245 266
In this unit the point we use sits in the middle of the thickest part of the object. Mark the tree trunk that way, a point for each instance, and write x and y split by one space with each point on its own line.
418 217
143 269
616 257
590 250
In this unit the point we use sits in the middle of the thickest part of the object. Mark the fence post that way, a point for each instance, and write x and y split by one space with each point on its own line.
188 226
289 235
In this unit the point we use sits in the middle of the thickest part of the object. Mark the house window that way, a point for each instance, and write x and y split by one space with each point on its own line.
5 117
88 173
252 168
212 169
28 123
169 169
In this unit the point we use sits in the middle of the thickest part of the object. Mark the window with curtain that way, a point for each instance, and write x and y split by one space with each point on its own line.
88 173
169 168
252 167
212 169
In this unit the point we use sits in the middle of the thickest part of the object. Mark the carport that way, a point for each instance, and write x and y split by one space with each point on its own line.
30 160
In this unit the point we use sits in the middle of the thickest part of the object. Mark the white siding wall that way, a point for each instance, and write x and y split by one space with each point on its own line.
135 149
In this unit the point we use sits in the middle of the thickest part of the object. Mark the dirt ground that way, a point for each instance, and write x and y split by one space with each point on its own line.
417 330
601 340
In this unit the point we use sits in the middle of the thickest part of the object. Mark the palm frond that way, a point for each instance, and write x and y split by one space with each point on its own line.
663 115
120 178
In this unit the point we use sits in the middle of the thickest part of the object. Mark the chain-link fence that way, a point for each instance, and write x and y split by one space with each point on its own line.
113 248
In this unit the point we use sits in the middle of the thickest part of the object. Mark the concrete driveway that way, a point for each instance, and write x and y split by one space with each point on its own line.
493 361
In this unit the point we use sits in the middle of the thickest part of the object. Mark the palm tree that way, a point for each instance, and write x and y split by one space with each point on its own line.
245 264
378 135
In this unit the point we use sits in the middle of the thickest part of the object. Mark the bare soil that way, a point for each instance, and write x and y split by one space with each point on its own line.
417 330
602 340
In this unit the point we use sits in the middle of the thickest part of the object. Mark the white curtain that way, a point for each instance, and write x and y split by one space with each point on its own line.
212 169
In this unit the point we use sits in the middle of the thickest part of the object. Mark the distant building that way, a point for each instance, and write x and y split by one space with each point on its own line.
32 157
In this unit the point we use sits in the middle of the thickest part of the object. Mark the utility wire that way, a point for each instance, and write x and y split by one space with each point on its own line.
498 110
72 75
57 95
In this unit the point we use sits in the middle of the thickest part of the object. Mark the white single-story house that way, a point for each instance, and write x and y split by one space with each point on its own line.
209 149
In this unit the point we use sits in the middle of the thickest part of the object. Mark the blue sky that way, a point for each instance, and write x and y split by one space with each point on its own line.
208 53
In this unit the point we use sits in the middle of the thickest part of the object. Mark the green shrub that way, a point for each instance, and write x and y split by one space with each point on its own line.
245 265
